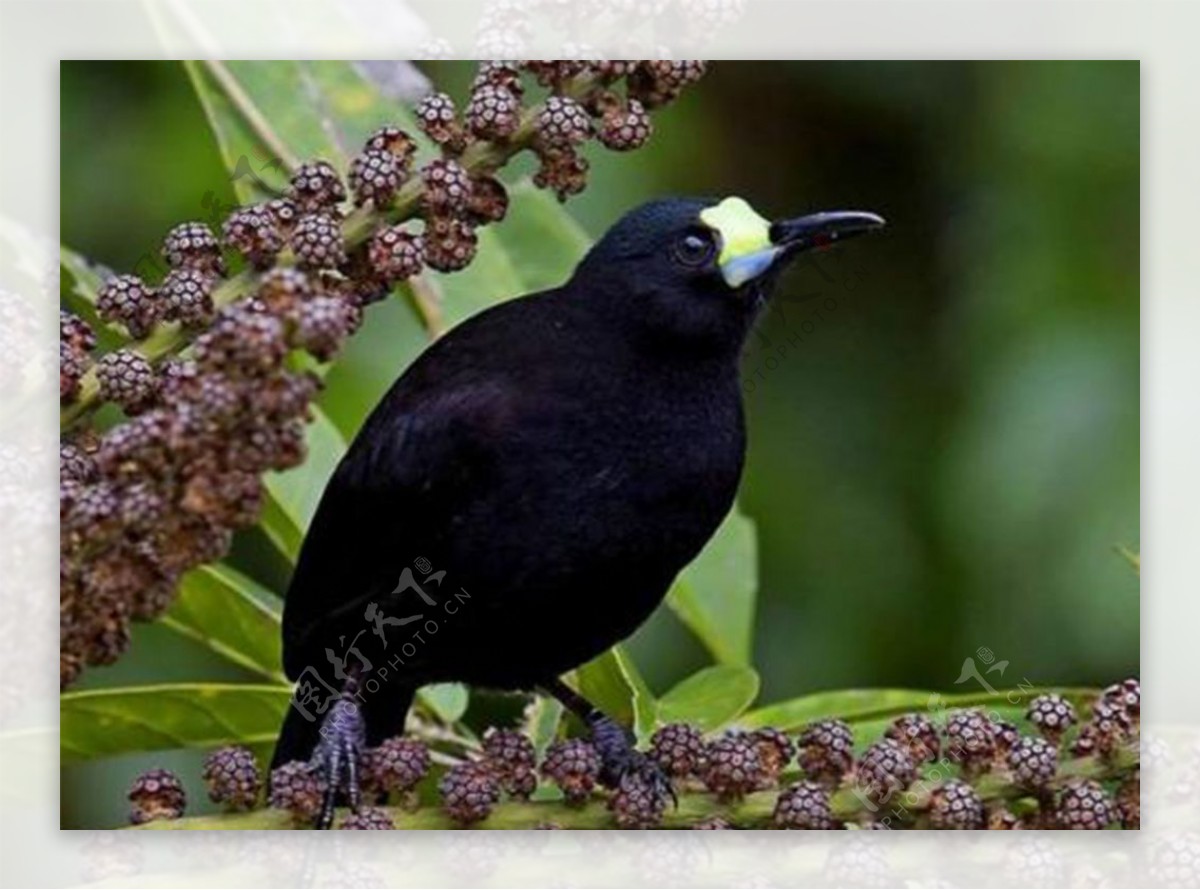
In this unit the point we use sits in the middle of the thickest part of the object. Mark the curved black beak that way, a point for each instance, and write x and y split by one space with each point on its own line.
822 229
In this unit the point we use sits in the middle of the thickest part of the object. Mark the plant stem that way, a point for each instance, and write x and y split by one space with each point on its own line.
753 811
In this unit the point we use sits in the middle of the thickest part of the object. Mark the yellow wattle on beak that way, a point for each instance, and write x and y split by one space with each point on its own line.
746 248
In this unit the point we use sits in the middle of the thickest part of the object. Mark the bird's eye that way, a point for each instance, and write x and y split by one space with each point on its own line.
695 249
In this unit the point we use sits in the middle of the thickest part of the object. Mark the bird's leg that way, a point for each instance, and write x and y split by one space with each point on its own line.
615 744
337 755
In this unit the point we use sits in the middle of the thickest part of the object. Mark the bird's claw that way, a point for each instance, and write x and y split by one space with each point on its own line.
336 759
619 759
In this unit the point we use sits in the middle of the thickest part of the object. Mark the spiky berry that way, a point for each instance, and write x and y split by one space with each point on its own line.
1108 729
187 297
804 805
449 244
75 463
1127 696
233 777
956 806
368 819
75 332
562 123
395 142
282 290
437 119
316 188
917 733
297 788
243 340
317 242
732 766
322 325
678 749
493 112
489 200
72 364
469 792
1052 714
638 802
775 751
127 300
156 794
826 750
396 254
375 176
447 186
659 82
625 128
1084 805
395 766
885 768
284 213
142 505
127 378
508 750
192 245
505 75
563 171
1006 736
1129 802
255 234
573 765
1034 762
970 739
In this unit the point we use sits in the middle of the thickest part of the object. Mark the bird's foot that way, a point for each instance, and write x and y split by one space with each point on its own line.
337 758
619 759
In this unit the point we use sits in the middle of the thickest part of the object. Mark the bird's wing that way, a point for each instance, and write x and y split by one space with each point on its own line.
423 446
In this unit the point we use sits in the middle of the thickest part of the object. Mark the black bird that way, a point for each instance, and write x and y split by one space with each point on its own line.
534 482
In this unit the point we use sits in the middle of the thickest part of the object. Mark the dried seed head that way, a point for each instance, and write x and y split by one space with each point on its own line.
775 751
156 794
956 806
572 765
127 300
438 120
317 242
885 768
316 188
187 297
1127 696
804 805
489 200
493 112
127 378
625 129
563 123
396 254
732 766
505 75
469 792
826 750
1034 762
917 733
678 749
1084 805
233 778
396 766
447 187
375 176
563 171
449 243
255 234
395 142
368 819
192 245
638 802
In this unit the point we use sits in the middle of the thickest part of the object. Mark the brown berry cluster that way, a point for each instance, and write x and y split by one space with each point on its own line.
148 498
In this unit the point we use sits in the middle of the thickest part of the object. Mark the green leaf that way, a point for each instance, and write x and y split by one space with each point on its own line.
447 700
613 684
85 274
231 615
714 596
269 116
541 721
108 722
710 698
292 495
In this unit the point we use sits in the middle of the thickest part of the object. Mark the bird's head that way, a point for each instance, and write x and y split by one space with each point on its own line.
698 270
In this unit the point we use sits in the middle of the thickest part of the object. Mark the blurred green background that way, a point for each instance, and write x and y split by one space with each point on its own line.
945 452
